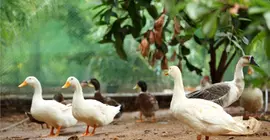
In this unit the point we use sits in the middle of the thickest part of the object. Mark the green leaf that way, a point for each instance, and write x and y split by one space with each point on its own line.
245 40
237 45
192 67
145 3
266 45
263 3
196 11
184 50
173 41
198 32
225 19
173 7
99 23
257 39
119 46
267 19
260 71
197 39
256 10
152 11
209 27
107 15
135 18
98 6
143 21
257 82
164 48
100 12
244 19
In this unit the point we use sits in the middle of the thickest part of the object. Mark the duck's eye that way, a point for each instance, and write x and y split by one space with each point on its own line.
71 79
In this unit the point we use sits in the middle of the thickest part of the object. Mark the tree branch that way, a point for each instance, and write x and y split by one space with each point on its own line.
218 43
222 63
229 61
212 63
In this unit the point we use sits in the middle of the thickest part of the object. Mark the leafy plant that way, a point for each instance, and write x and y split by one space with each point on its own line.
228 25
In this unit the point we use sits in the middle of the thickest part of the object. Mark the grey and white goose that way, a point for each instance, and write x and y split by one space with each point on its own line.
226 93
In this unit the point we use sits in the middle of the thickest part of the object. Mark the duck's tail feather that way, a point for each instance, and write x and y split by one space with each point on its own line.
122 107
238 128
119 114
118 108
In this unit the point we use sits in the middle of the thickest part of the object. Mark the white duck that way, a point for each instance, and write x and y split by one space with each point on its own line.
92 112
51 112
226 93
205 117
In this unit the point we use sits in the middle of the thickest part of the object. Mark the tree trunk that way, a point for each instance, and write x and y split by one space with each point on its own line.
218 73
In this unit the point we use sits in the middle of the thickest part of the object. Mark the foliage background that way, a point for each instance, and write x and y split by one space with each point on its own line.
53 40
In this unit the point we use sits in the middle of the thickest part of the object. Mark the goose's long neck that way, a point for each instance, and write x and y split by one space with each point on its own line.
238 73
78 94
37 92
239 76
178 91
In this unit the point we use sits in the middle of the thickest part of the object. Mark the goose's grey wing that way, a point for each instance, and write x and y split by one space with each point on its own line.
213 92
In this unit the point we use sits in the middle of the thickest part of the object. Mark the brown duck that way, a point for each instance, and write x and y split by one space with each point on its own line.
145 102
32 119
93 82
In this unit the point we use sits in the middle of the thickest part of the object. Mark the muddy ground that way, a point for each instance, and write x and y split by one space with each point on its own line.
125 128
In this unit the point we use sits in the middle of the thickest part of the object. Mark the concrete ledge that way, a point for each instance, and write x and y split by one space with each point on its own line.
12 103
22 103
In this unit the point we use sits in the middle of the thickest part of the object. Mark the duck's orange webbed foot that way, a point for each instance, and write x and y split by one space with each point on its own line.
93 132
140 120
154 118
86 131
85 134
50 135
90 134
58 131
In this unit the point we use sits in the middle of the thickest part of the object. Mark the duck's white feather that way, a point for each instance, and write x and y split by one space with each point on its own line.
50 111
206 117
90 111
94 112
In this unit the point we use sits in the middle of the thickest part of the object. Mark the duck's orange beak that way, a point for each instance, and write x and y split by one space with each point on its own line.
67 84
24 83
166 73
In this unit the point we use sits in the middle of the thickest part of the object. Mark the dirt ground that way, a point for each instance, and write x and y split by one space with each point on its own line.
125 128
